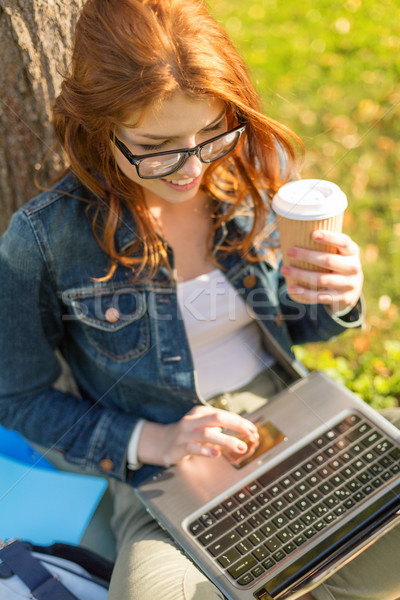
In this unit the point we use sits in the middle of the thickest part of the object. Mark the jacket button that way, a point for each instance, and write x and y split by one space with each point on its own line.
279 320
111 315
106 465
249 281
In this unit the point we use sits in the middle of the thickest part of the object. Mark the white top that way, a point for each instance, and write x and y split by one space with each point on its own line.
224 339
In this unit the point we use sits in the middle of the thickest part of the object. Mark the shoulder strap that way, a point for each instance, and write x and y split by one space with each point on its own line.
93 563
43 585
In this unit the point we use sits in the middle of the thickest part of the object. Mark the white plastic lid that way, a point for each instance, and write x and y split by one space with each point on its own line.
309 200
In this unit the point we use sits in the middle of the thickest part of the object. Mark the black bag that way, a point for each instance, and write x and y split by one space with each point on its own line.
56 572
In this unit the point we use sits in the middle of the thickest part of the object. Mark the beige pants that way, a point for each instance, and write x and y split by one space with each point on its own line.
149 565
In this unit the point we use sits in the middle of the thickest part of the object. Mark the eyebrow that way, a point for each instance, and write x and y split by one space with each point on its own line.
163 137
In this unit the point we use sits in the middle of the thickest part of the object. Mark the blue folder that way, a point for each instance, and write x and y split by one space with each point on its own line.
12 444
44 505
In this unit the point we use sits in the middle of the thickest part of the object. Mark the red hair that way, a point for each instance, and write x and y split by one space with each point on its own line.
129 54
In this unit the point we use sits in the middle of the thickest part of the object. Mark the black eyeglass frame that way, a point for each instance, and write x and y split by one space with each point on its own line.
136 159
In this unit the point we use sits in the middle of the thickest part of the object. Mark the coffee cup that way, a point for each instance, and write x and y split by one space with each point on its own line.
302 207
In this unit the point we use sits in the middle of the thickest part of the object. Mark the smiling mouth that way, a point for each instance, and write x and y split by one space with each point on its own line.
181 181
182 184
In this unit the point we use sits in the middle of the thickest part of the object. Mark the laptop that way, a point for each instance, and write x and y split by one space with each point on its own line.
321 487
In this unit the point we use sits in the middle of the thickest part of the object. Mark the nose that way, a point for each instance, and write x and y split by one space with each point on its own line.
192 167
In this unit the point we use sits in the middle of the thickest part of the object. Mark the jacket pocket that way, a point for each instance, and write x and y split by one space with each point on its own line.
114 321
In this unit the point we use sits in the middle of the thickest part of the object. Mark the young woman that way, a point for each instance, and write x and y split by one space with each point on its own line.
153 267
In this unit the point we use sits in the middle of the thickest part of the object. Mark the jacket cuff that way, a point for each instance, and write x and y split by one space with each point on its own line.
354 317
109 443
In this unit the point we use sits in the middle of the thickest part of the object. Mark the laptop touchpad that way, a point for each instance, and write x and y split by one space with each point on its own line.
270 436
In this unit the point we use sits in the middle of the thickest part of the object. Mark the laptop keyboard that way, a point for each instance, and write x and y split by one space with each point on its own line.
261 524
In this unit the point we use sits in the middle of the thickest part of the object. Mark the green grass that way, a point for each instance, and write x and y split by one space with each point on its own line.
330 70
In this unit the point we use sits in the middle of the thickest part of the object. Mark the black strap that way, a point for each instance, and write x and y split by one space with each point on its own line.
43 585
93 563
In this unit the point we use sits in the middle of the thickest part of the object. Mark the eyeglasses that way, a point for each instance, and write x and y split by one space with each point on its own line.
161 164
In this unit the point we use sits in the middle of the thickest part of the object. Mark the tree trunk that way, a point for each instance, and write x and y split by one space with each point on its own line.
35 44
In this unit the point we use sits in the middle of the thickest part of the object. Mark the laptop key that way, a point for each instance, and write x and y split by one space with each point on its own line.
352 420
273 543
308 518
225 542
286 482
268 529
290 547
245 579
297 474
285 535
320 442
268 563
300 539
217 531
253 488
244 529
383 447
278 555
230 504
251 506
320 510
349 503
243 565
260 553
257 571
310 532
263 498
196 527
244 546
358 496
274 491
256 520
329 518
386 461
280 521
218 512
331 501
207 519
297 526
291 513
239 514
371 439
256 538
319 525
290 496
378 481
229 557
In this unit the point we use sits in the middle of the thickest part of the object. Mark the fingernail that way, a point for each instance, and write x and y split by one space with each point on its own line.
318 236
214 452
285 270
291 252
241 447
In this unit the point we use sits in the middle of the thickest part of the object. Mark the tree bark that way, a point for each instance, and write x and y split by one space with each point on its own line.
35 46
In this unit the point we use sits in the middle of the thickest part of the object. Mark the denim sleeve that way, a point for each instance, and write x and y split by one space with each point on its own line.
88 434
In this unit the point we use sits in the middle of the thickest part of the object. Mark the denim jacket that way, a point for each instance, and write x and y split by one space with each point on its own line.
124 341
